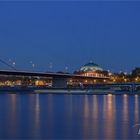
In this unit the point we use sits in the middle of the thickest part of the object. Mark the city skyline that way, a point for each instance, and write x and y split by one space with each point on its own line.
69 69
56 35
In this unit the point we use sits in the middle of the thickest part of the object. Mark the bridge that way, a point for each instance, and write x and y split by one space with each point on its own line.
59 80
131 86
128 86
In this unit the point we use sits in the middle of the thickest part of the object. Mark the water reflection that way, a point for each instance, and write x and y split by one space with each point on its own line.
86 107
125 117
12 124
136 129
33 115
69 116
37 115
136 110
95 107
49 118
69 111
86 117
95 116
68 106
109 116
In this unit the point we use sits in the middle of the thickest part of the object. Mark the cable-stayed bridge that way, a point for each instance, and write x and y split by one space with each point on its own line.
58 79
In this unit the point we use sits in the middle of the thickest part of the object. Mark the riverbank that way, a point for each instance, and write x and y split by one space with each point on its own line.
65 90
74 91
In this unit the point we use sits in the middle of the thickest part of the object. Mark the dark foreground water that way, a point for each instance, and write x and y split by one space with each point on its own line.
28 116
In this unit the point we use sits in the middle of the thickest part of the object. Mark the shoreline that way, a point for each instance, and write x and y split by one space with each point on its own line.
81 91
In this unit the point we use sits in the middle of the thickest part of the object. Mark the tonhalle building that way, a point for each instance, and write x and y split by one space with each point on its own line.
92 70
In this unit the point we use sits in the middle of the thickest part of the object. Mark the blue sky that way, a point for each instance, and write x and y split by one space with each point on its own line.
70 34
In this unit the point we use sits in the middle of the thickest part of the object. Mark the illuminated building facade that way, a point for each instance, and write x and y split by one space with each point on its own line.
92 70
9 80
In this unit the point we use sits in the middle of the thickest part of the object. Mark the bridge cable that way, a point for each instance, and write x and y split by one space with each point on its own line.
10 66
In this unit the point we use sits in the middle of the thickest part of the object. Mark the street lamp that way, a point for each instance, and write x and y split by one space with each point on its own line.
66 69
125 80
32 65
14 64
95 81
136 79
50 66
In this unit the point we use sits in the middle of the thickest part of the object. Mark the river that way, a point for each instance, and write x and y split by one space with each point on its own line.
52 116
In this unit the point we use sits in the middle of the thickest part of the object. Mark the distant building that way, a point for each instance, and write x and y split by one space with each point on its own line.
92 70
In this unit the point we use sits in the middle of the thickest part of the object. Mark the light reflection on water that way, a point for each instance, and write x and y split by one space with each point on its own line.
136 112
12 122
125 116
69 116
109 115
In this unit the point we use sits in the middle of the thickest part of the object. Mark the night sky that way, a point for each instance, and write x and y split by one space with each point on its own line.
70 34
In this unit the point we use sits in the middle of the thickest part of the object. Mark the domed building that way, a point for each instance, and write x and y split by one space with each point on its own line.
91 69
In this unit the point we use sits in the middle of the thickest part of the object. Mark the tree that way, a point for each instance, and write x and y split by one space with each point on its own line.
136 72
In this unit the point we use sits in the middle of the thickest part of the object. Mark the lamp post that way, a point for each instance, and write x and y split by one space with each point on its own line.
50 66
66 69
14 64
32 65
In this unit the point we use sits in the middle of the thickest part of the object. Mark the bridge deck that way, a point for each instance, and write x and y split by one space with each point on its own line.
43 74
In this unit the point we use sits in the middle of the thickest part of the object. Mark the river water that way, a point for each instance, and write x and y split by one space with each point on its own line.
53 116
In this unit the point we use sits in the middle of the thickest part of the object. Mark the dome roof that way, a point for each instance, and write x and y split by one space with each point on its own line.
91 66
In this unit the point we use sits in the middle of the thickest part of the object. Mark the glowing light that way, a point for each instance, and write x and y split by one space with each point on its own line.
95 81
136 79
110 94
86 81
125 80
